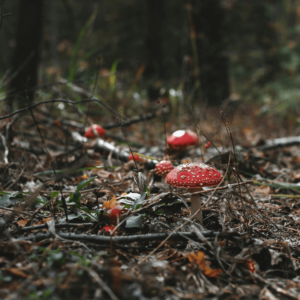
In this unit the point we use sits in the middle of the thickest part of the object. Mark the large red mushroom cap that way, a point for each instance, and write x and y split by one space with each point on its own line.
90 131
182 139
194 175
163 168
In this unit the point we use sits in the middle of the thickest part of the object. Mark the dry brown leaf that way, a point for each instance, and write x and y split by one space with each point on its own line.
10 247
44 221
111 203
264 190
199 259
17 272
23 222
251 265
80 178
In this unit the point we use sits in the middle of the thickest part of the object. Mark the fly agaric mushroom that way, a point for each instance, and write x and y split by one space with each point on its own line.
181 139
136 157
94 131
163 168
193 177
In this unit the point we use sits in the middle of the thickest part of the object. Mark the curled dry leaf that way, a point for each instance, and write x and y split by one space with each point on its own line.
17 272
44 221
199 259
251 265
111 203
22 223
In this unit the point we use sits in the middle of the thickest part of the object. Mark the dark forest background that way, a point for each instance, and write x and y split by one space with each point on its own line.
213 52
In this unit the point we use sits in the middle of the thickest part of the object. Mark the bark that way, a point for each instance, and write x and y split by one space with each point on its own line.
26 56
208 19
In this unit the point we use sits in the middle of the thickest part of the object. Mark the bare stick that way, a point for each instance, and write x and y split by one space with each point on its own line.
63 101
52 165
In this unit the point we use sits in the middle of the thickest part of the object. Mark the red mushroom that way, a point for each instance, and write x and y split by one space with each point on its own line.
181 139
94 131
207 145
163 168
193 177
136 157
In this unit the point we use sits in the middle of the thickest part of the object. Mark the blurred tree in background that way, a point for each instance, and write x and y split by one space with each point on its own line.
203 50
26 56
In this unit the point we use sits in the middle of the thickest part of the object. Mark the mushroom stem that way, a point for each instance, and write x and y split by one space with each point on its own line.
163 179
196 204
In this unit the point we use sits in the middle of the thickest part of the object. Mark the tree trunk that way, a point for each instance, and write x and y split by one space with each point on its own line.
154 71
208 19
26 56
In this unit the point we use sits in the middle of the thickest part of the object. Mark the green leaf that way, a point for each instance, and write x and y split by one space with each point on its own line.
73 64
84 183
147 190
54 194
137 203
4 200
112 77
76 197
134 222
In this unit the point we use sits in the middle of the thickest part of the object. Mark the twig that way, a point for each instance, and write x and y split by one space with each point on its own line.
3 16
63 101
19 212
102 284
17 179
5 148
52 165
234 185
132 121
93 238
45 226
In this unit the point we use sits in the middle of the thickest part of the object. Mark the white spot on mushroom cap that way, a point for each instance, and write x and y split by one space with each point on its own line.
179 133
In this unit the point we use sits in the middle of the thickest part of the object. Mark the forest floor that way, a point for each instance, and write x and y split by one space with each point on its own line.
124 240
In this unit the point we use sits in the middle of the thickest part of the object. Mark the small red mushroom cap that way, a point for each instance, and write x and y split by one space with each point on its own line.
163 168
108 228
115 212
90 131
194 175
207 145
136 157
182 139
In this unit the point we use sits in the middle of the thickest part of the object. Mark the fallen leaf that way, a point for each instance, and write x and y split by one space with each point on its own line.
57 123
80 178
44 221
111 203
251 265
199 259
23 222
17 272
264 190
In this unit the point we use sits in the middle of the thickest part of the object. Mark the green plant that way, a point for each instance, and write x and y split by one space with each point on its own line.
74 200
73 64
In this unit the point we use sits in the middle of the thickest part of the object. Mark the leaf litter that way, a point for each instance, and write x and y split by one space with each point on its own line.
128 236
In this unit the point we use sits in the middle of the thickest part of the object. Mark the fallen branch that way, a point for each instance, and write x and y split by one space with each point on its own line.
74 103
141 118
92 238
102 146
45 226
